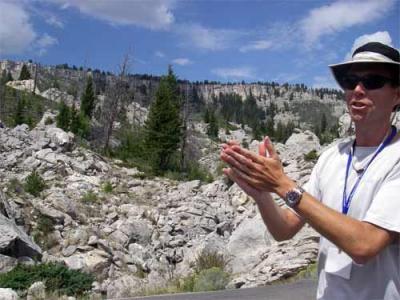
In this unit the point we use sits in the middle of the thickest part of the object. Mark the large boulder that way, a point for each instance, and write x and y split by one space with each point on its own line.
8 294
15 242
247 243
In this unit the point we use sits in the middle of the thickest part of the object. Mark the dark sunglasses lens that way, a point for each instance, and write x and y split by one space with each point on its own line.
370 82
373 82
349 82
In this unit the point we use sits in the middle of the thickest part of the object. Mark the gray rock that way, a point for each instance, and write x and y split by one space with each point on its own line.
15 242
8 294
37 291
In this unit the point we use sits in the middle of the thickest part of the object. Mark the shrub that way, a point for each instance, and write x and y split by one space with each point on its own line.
107 187
311 156
48 121
34 184
210 280
208 259
41 235
89 197
55 276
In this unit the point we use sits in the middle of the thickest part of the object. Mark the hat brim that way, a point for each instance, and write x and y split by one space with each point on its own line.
339 70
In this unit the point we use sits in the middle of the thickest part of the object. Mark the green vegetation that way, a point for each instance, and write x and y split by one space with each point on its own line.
208 259
163 127
210 275
311 156
41 234
89 197
88 98
69 119
25 74
18 107
34 184
212 279
107 187
57 278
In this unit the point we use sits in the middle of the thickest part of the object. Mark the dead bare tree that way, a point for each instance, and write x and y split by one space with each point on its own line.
117 96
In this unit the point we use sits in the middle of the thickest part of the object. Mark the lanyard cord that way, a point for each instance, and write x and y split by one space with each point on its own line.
347 200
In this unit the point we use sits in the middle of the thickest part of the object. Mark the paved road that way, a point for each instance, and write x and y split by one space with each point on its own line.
300 290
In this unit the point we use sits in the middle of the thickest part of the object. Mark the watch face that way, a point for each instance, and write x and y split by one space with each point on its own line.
293 197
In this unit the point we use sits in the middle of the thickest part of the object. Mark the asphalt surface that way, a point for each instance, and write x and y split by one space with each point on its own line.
300 290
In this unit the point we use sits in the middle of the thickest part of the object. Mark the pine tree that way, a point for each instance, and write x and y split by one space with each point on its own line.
64 116
18 117
163 125
88 99
25 74
9 77
212 128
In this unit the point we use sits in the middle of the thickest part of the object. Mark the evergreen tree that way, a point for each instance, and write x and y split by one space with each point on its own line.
323 123
18 117
163 125
3 77
9 77
88 99
212 128
64 116
25 74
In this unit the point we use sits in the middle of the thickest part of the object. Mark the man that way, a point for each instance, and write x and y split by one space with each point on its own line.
353 196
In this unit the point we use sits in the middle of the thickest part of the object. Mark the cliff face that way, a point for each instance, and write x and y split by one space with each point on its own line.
294 102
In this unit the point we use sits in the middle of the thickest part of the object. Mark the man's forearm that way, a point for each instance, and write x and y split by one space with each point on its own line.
281 223
358 239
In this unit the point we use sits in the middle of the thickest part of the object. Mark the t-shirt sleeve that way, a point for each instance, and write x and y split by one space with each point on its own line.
385 208
312 185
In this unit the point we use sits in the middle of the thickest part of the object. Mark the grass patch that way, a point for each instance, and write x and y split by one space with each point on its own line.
308 272
311 156
57 278
209 259
107 187
89 197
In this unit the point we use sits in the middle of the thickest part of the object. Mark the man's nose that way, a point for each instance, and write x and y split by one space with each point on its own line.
359 88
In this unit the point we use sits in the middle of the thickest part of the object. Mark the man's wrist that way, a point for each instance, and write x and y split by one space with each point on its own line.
285 187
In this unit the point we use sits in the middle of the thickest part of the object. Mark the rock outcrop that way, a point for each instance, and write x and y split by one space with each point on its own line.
153 227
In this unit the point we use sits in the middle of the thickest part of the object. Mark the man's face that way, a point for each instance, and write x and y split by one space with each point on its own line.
371 106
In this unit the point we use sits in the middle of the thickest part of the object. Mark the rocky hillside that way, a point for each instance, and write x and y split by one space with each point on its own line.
295 102
131 232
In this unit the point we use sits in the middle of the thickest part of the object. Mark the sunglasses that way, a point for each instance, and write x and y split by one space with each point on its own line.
370 82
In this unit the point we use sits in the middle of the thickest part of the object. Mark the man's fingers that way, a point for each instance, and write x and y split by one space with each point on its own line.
236 160
262 150
270 148
248 154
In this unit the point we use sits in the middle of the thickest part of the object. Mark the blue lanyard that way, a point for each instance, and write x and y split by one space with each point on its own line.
347 200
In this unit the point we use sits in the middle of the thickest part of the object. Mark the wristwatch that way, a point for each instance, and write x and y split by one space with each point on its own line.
293 196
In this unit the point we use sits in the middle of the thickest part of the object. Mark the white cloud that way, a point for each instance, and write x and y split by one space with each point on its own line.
195 35
182 61
256 45
159 54
238 73
380 36
340 15
44 42
153 14
16 30
54 21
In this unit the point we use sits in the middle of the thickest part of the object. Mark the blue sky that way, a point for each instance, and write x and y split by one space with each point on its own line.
272 40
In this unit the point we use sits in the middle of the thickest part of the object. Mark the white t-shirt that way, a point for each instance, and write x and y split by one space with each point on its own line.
377 201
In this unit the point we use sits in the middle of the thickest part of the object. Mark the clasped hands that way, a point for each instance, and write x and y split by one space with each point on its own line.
256 173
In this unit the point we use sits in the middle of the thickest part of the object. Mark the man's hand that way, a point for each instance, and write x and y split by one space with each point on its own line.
263 171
